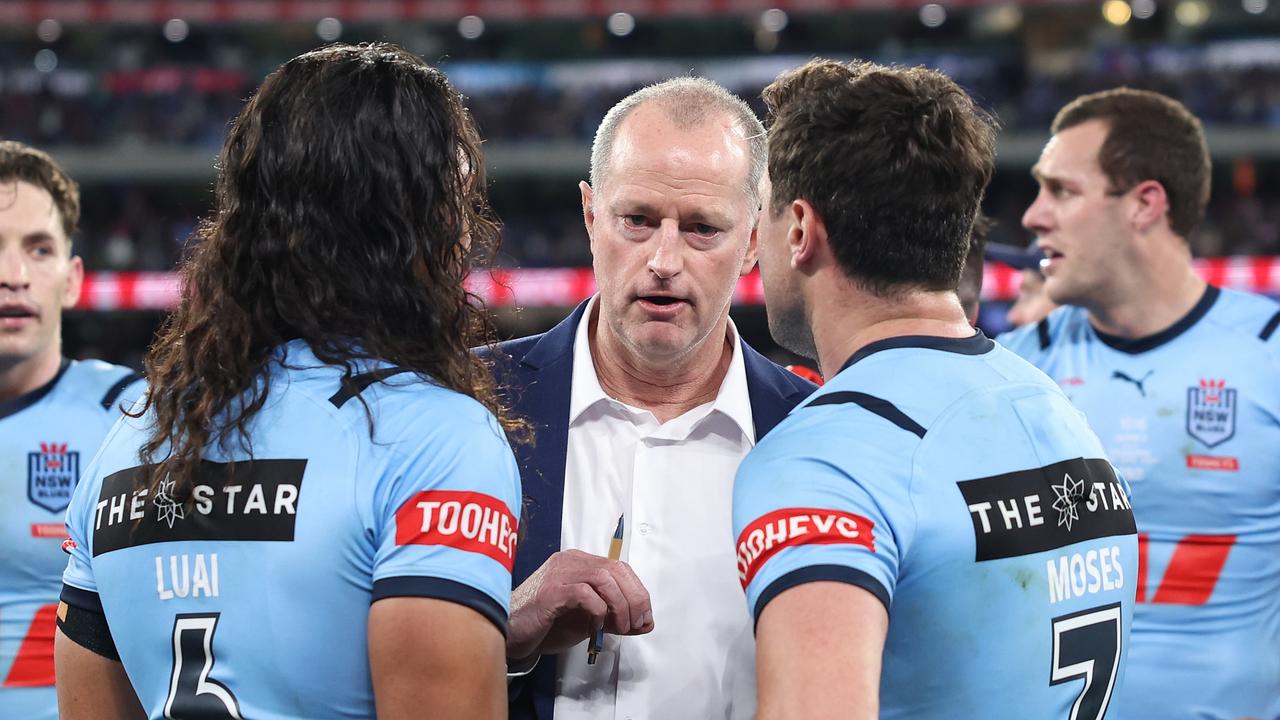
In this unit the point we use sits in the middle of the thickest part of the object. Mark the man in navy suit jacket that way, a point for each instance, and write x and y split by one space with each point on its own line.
643 402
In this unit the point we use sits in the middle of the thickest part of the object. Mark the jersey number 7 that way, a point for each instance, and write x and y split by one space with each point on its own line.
1087 645
193 695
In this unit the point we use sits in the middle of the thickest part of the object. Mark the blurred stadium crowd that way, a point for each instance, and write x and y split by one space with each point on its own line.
137 109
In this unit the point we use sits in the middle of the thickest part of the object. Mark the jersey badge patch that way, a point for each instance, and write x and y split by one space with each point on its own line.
51 476
1211 412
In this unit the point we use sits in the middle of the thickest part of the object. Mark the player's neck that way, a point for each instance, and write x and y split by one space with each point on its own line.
19 376
666 387
845 322
1155 296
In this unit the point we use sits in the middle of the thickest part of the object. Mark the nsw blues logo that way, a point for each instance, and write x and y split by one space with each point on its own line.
51 476
1211 412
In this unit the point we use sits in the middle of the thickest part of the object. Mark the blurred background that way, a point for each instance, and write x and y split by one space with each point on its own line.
133 98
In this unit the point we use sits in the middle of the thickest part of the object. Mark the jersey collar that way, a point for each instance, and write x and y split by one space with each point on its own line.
22 402
975 344
1133 346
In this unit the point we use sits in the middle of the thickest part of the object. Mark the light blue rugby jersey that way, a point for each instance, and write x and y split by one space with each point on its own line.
1191 417
46 437
954 482
253 601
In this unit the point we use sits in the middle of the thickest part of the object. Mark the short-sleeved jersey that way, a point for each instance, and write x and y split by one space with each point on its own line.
1191 418
46 436
252 599
957 484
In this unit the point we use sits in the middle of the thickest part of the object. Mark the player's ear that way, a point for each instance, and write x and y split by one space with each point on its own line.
1150 204
806 234
75 280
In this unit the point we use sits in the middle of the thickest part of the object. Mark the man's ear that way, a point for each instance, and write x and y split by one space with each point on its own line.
753 249
75 281
588 211
806 235
1150 204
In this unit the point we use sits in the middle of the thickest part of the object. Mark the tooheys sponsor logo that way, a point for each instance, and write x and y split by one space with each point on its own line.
1031 511
469 521
792 527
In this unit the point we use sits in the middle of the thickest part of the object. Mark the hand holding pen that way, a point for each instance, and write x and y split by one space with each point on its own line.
615 553
571 596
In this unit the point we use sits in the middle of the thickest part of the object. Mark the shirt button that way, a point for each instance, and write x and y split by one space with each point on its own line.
644 528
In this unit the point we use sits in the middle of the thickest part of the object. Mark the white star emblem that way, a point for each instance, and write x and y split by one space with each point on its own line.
169 509
1070 493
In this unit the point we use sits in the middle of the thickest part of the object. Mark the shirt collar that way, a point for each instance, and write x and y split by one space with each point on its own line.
732 400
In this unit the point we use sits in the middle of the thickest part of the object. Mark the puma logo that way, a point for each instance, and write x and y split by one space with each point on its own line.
1118 375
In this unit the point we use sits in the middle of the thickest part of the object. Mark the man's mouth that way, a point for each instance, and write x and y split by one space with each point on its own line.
13 310
662 300
662 306
1051 258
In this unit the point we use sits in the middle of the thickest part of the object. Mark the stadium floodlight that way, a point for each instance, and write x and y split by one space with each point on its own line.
46 60
48 30
1143 9
774 20
1117 12
1191 12
933 15
1255 7
329 29
176 30
621 24
471 27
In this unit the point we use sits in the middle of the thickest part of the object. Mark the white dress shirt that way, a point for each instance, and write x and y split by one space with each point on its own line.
673 481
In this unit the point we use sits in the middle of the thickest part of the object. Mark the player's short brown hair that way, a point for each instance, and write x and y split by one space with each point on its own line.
895 161
25 163
970 287
1149 137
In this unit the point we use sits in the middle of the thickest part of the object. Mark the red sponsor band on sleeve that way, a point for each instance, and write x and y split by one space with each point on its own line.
791 527
469 521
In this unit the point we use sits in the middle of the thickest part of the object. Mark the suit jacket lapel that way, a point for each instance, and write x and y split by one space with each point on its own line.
771 396
545 376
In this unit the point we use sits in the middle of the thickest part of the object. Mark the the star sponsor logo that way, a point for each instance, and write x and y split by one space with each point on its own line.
1069 496
1046 508
168 509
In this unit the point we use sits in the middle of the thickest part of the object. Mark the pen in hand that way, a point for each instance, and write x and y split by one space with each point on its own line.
615 552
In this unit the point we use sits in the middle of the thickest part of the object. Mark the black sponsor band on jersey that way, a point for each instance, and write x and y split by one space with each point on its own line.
248 500
1031 511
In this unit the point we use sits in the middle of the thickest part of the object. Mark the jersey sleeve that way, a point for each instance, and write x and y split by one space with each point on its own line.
802 516
446 514
79 524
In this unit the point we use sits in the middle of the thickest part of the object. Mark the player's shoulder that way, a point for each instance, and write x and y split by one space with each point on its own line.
1064 325
821 427
404 405
101 384
1254 318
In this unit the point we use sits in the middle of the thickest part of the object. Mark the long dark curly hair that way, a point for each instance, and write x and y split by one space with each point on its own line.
350 203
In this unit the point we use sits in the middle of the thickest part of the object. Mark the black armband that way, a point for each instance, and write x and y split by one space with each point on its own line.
81 619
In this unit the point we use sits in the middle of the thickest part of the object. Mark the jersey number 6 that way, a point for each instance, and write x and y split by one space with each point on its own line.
193 695
1087 645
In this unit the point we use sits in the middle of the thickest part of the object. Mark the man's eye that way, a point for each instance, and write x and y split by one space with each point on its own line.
704 229
635 220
